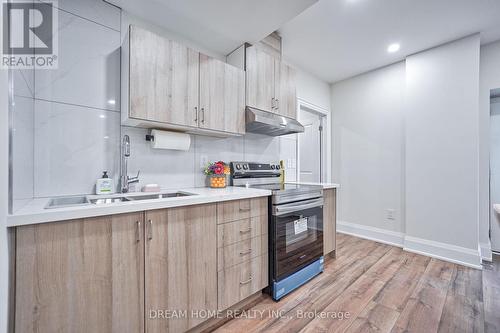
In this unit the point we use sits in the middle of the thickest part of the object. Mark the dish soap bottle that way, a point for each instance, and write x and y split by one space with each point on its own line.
282 173
104 185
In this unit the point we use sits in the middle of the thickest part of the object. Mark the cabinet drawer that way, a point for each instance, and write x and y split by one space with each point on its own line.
230 233
241 209
240 281
242 251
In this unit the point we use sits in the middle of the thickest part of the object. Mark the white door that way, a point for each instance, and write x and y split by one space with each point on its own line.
310 147
495 174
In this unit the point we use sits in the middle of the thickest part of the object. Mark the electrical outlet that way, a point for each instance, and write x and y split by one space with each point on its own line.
390 214
203 161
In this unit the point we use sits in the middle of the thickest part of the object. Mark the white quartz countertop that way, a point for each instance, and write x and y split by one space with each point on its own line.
325 185
497 208
35 212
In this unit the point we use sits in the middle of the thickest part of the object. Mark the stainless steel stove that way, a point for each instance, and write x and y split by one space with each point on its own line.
267 176
295 225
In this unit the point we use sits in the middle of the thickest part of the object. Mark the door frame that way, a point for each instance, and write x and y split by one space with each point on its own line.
490 203
326 139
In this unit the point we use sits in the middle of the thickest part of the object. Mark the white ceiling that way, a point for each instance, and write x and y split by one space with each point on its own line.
337 39
218 25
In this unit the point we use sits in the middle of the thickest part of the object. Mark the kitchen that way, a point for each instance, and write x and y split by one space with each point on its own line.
174 174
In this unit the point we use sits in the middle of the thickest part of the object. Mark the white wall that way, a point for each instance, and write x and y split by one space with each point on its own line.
441 127
367 147
313 90
315 93
495 173
489 79
405 137
4 196
4 158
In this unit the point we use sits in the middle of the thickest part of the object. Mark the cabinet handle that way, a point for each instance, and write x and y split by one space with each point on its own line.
196 114
245 231
138 231
242 253
272 103
277 104
150 230
244 210
202 115
247 281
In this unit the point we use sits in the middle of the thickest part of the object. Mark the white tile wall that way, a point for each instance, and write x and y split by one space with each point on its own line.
88 71
74 132
169 168
23 82
288 153
22 150
215 149
261 148
94 10
73 145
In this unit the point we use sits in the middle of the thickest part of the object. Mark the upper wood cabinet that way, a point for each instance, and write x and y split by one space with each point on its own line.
174 87
222 96
81 276
259 79
163 79
270 83
286 94
181 265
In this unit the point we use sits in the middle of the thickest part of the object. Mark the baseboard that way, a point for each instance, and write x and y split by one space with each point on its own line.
485 251
371 233
447 252
452 253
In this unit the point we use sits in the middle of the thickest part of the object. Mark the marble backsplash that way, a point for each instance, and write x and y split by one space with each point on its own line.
66 122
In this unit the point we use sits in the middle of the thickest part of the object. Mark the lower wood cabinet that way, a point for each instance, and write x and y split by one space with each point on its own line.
181 266
240 281
82 275
329 220
153 271
242 247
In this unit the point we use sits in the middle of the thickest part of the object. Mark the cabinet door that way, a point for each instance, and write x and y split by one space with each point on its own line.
222 96
329 220
259 79
286 94
181 266
81 276
163 79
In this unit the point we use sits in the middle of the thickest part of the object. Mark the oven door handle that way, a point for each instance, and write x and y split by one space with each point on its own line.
297 206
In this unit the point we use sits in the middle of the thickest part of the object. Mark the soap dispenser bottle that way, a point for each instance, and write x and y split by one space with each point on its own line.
104 185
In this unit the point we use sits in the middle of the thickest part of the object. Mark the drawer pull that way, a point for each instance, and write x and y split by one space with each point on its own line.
150 230
245 231
247 281
138 232
244 210
246 252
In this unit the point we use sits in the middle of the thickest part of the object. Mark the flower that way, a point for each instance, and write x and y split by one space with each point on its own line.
217 168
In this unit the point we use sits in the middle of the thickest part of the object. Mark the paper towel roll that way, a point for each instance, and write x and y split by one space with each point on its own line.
170 140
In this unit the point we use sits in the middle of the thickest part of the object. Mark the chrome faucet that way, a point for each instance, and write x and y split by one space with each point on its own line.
125 180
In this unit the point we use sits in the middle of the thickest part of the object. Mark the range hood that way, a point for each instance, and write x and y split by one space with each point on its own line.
262 122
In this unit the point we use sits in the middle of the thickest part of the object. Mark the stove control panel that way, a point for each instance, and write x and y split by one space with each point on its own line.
253 169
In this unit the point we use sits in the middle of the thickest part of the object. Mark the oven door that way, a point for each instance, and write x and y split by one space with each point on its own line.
298 236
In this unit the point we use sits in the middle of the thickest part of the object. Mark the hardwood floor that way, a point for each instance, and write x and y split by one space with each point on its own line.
373 287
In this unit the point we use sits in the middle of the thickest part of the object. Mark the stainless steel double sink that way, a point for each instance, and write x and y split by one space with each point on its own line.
76 201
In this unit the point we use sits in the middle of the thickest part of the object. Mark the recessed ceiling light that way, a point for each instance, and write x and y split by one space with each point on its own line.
393 48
